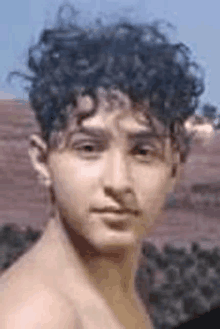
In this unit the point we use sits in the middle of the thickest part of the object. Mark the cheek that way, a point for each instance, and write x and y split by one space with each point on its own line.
67 193
73 183
151 188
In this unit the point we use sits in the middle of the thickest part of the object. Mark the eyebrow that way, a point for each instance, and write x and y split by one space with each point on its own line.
103 134
91 131
145 135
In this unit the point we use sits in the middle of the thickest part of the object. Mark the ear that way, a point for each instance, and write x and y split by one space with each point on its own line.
38 156
176 171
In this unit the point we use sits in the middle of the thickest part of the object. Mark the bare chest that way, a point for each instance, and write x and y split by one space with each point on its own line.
93 313
102 319
85 311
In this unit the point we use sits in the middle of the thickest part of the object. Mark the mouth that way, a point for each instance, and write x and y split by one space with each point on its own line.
117 218
119 222
118 211
119 226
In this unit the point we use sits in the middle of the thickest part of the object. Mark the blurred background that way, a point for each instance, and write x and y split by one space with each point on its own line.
194 209
192 213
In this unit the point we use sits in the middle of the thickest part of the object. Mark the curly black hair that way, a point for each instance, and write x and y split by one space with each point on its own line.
138 59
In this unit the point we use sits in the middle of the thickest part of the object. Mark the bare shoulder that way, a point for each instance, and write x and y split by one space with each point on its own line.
37 306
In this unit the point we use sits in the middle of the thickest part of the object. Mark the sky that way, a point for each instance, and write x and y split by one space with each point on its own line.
197 25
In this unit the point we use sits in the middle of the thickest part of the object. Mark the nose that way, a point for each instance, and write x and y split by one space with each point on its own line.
117 178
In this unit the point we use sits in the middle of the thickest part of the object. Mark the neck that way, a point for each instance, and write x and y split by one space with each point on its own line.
111 274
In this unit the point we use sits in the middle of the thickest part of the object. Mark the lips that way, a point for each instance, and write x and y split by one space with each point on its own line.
117 218
119 211
117 221
120 226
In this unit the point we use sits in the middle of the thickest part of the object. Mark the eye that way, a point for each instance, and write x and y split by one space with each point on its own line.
88 149
141 150
144 153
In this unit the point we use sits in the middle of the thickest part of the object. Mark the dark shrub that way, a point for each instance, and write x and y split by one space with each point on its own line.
166 287
217 269
171 315
156 297
159 323
18 241
169 249
32 235
14 243
215 303
10 235
151 262
207 291
195 247
149 250
4 259
216 251
203 254
162 261
143 281
201 268
181 251
194 305
215 282
172 274
178 291
194 279
188 262
174 259
165 325
188 285
8 256
214 259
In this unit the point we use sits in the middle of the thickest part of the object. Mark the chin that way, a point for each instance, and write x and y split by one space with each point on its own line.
115 242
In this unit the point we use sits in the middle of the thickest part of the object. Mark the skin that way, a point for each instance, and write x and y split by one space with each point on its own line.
88 173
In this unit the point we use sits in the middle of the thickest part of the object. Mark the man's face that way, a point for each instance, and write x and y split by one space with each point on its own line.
113 162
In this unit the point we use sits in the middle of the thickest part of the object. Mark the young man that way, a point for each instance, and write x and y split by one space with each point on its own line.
111 103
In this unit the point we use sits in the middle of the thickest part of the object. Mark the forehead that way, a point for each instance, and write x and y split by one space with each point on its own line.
115 113
116 122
